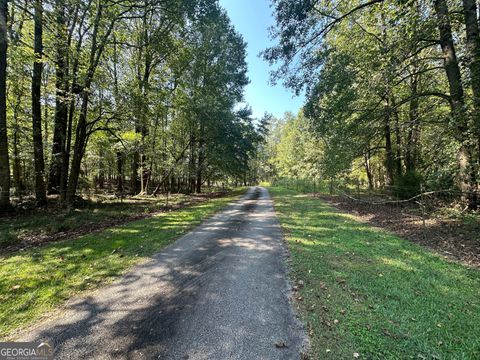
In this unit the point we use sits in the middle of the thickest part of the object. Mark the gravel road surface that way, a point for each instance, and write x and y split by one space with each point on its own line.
219 292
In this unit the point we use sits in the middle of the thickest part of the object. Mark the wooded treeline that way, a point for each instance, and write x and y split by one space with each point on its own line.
141 96
393 89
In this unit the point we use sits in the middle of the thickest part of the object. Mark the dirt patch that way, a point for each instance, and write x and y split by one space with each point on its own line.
35 240
454 239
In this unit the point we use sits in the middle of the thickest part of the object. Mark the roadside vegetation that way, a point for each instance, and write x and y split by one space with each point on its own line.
363 292
35 281
33 226
392 95
122 97
431 219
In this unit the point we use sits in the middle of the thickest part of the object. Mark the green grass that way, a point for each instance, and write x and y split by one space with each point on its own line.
370 292
35 281
50 220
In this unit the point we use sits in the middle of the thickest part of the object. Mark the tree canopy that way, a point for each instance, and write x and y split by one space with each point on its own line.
389 84
138 96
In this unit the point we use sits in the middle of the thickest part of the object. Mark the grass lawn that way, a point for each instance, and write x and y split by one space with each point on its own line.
365 293
34 281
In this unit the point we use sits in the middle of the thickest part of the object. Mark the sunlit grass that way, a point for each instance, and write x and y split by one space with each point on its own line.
33 282
370 292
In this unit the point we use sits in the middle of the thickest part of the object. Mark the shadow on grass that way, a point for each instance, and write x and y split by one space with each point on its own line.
35 224
142 315
390 298
35 280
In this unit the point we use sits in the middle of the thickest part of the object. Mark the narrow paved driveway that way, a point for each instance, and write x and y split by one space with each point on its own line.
219 292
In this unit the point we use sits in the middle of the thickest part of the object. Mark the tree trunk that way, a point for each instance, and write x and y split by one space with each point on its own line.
368 170
119 172
78 150
81 138
134 179
71 112
457 102
61 101
473 54
452 68
389 161
66 158
17 169
192 162
17 178
4 159
144 60
201 158
101 169
398 142
40 191
411 153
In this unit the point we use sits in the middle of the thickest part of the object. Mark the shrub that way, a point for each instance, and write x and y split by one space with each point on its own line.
408 185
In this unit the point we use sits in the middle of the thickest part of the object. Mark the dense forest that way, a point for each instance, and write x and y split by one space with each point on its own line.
393 94
145 97
138 97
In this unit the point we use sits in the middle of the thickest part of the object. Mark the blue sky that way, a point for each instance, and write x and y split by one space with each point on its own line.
252 18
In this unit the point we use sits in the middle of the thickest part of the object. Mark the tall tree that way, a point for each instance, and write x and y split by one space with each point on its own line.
457 103
61 97
473 53
4 158
155 80
402 66
105 17
40 191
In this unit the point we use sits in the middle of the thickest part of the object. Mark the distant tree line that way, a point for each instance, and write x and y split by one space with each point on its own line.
140 95
393 87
